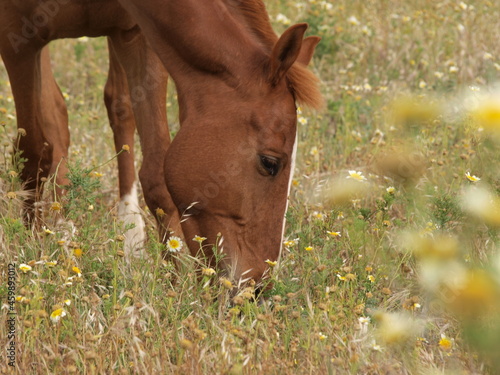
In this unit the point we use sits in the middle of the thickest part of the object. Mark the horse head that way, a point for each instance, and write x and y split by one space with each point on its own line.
230 166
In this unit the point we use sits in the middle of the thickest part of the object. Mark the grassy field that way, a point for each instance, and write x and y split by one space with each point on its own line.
391 259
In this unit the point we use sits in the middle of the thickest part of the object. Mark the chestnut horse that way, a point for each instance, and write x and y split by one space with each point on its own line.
229 168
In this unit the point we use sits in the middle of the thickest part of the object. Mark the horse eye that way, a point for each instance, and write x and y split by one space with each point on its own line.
270 164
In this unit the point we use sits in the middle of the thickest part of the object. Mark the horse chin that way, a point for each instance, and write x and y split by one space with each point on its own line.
241 261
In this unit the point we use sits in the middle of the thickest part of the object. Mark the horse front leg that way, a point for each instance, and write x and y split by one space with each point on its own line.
122 122
147 81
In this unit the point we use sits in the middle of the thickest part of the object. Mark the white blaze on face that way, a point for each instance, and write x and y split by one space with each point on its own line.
292 170
129 212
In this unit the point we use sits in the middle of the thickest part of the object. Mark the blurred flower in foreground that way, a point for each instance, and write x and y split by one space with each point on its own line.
337 192
486 113
403 164
439 247
483 204
412 111
396 328
477 294
438 256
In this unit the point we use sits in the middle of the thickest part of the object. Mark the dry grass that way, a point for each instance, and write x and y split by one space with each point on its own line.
397 277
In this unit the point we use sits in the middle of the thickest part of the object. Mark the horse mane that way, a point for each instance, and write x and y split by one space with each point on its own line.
303 82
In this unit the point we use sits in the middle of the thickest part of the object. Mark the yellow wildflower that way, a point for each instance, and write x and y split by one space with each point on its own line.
208 272
48 231
95 174
271 263
226 283
358 176
174 244
57 315
472 178
445 343
76 270
55 206
24 267
290 243
199 239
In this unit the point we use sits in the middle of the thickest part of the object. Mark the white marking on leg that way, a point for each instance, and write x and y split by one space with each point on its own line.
129 212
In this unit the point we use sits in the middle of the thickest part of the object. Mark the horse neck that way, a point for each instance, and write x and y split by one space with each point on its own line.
200 38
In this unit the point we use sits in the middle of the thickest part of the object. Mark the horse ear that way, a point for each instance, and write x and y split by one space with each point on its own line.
286 51
307 49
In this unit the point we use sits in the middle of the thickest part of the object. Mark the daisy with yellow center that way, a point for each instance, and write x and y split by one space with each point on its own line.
302 120
319 215
174 244
358 176
55 206
391 190
445 343
308 248
199 239
208 272
57 315
25 268
472 178
334 234
364 320
226 283
48 231
290 243
77 271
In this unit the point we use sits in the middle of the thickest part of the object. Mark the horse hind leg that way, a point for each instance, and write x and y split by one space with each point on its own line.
56 128
121 119
41 119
